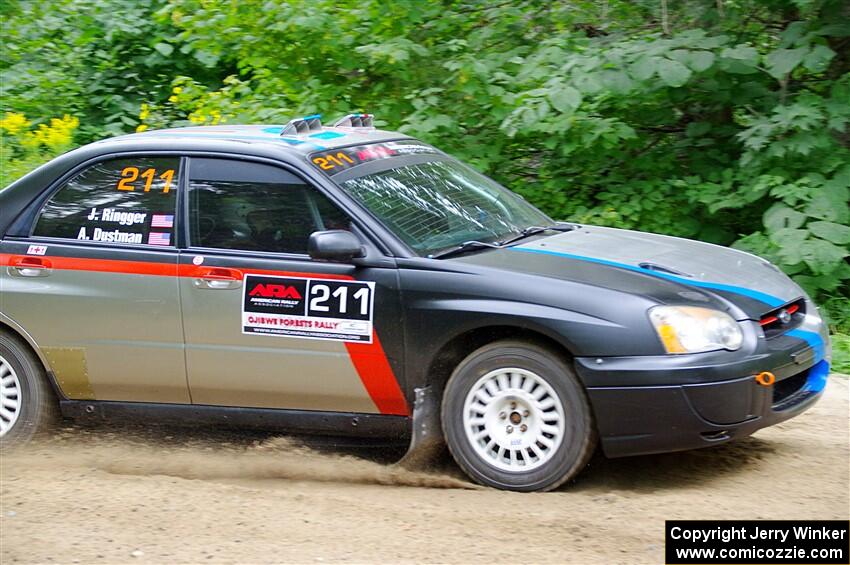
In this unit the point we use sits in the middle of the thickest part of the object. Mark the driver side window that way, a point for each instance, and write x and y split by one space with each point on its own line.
255 207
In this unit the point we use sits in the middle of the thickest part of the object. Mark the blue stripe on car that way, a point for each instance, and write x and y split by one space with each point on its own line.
760 296
818 372
216 136
814 340
328 135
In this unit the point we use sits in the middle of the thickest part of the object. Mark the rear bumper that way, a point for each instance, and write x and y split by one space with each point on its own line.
680 410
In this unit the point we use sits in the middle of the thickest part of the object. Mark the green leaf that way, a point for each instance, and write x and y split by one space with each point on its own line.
828 205
696 129
644 68
789 242
208 58
830 231
741 53
780 216
819 58
822 256
700 60
164 49
565 99
673 73
783 61
616 81
588 83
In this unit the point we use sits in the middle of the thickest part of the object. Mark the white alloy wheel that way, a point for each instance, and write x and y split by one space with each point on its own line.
513 419
10 396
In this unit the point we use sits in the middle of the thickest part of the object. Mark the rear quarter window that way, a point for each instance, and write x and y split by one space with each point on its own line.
126 201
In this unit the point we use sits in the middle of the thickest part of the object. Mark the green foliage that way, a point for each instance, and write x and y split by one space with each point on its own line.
732 128
841 353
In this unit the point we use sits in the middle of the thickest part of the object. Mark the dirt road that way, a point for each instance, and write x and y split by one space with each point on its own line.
97 496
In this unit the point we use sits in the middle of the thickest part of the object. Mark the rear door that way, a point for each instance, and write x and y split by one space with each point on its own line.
95 284
265 325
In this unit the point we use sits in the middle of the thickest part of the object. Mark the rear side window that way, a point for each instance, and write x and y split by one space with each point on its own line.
255 207
128 201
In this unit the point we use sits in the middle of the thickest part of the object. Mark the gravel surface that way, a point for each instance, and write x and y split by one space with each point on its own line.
174 496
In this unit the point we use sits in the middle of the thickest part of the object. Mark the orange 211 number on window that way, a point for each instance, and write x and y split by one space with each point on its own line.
129 175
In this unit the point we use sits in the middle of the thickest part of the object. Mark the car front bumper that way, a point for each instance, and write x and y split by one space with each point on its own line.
682 402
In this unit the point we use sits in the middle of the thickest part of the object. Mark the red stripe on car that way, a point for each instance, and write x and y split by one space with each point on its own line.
368 359
374 369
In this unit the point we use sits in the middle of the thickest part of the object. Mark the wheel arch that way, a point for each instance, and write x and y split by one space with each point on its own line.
458 347
9 325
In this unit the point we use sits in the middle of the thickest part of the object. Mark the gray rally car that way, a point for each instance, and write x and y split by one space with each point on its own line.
347 280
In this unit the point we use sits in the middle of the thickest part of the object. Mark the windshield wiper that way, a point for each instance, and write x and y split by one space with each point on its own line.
534 230
463 247
527 232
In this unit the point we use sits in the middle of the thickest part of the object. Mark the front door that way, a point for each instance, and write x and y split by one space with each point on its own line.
95 285
266 326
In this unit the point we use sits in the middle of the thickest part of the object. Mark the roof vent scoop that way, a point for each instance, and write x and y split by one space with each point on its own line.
662 269
303 125
355 121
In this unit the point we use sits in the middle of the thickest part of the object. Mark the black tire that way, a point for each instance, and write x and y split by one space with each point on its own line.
38 408
579 437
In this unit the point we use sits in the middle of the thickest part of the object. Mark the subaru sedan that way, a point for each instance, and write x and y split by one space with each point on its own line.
346 280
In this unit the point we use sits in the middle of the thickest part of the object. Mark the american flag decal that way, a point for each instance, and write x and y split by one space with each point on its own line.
159 238
162 221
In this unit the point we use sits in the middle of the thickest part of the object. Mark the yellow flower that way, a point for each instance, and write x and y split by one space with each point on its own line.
141 128
30 140
56 136
144 111
177 89
14 123
172 99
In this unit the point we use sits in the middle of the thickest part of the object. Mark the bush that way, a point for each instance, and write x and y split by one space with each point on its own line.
723 120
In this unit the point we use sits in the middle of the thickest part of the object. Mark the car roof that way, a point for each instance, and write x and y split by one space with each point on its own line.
255 140
319 139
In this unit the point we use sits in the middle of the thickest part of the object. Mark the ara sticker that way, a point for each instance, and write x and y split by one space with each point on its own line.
308 308
37 250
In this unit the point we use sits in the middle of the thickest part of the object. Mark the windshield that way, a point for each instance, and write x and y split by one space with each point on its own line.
440 204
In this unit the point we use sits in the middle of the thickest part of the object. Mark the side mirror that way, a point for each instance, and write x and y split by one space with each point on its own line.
340 246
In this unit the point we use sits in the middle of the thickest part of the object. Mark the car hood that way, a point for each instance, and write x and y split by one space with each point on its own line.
631 261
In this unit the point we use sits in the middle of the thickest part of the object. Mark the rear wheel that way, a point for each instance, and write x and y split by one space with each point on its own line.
515 417
27 404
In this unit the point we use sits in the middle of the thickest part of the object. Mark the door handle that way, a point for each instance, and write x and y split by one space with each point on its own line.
30 267
218 278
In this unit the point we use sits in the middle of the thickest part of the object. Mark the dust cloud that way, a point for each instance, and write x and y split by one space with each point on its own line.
183 455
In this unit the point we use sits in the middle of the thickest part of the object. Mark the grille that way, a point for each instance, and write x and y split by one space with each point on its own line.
787 388
780 320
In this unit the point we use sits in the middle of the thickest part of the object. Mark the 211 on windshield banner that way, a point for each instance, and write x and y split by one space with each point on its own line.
763 542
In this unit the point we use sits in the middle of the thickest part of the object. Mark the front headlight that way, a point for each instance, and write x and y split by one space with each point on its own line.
690 329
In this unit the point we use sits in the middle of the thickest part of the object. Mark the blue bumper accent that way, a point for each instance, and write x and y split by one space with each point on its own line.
817 377
670 403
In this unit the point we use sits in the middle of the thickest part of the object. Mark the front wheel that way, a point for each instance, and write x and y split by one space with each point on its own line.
515 417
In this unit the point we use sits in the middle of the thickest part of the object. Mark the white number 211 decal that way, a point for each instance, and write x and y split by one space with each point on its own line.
321 294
